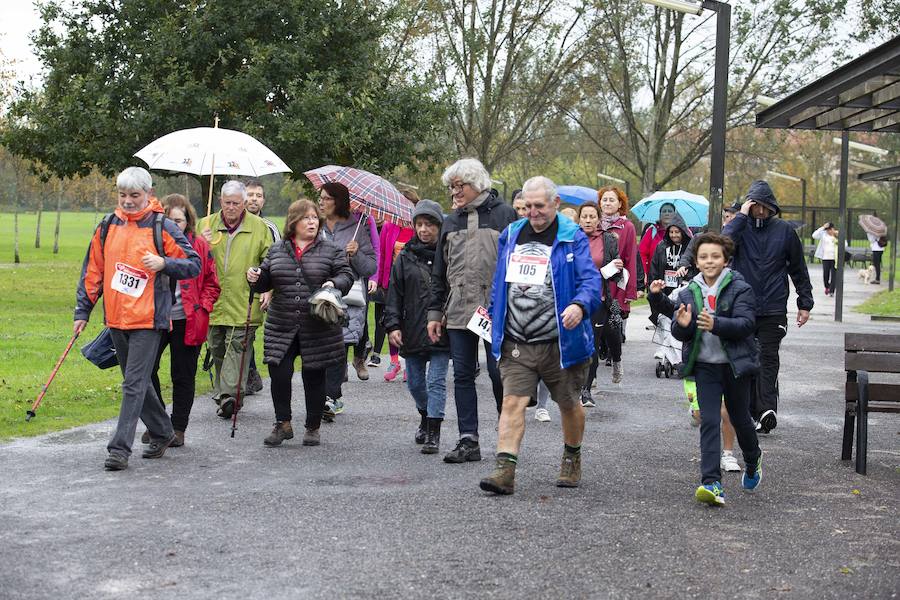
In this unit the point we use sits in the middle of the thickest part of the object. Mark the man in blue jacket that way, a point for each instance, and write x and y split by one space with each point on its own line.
767 252
545 288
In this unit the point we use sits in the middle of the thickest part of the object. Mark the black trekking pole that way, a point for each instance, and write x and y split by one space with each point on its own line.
29 414
238 402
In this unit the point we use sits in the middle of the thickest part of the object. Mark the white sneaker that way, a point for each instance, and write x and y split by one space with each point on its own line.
542 415
729 463
659 354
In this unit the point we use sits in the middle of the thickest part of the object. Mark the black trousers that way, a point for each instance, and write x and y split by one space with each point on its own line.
876 261
334 376
611 337
714 381
378 342
828 273
770 330
184 372
313 388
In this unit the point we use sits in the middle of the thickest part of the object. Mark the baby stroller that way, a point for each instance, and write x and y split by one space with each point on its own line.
668 357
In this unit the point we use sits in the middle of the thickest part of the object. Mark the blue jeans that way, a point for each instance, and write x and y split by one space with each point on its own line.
464 352
428 390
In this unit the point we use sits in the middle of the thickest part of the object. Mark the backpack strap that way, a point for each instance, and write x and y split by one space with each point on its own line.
158 219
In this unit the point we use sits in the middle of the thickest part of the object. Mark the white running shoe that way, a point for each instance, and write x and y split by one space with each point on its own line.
542 415
729 463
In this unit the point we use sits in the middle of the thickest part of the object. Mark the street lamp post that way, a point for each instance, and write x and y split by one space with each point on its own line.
720 97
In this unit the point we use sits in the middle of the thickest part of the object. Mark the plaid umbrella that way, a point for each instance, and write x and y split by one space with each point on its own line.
872 224
369 193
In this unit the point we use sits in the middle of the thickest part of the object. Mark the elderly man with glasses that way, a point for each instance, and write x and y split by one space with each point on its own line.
465 259
238 240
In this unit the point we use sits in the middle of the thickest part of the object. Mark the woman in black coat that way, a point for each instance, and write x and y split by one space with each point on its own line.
296 267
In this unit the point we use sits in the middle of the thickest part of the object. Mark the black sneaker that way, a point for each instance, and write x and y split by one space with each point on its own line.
158 449
254 382
226 407
115 462
467 450
374 361
768 421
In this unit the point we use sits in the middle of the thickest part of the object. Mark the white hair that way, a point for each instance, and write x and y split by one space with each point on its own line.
233 188
543 183
134 179
468 170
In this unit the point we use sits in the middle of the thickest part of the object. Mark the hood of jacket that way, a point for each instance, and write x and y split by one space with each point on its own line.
152 207
686 235
761 193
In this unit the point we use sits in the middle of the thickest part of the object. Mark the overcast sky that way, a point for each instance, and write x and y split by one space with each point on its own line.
20 18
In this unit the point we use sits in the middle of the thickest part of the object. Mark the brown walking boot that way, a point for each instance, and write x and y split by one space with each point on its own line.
503 479
280 432
311 437
569 470
179 439
359 364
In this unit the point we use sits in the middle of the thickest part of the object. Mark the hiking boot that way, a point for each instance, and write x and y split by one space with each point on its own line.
179 440
432 436
145 437
569 470
587 399
502 480
311 437
359 363
711 493
374 361
226 407
392 372
421 431
617 372
750 480
254 382
115 462
467 450
158 449
280 432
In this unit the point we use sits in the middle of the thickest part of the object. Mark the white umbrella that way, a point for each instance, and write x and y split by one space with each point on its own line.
211 151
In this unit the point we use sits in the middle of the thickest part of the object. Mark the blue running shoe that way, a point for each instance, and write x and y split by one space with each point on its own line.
711 493
751 482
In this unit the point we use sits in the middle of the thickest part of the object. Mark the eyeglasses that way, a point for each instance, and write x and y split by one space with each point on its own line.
457 187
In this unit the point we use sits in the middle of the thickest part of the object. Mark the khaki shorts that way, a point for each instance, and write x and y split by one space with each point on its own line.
536 362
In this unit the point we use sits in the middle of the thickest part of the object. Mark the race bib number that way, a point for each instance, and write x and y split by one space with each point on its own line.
527 270
480 323
671 279
130 281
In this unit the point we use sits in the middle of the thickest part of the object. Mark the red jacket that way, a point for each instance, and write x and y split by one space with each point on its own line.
198 295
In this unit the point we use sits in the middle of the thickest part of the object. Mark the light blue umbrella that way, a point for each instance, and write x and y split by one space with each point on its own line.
693 209
576 194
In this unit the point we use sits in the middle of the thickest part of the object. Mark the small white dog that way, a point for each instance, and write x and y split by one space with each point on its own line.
867 274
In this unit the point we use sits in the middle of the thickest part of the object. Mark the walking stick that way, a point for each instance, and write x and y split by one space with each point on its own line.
29 414
238 402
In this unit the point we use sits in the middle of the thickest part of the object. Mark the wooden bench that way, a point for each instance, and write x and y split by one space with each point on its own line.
867 353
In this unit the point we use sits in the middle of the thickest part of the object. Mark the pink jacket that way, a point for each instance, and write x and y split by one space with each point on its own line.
390 235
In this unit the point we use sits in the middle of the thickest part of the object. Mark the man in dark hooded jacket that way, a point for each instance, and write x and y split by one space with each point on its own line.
767 252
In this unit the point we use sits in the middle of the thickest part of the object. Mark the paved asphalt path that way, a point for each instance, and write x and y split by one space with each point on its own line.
366 515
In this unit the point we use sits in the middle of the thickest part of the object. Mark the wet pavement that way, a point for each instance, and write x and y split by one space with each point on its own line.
365 514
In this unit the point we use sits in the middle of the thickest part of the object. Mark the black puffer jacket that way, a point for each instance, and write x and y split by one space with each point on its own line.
293 282
407 299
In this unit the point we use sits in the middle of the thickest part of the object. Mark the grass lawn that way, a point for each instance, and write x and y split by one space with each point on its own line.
883 303
38 299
